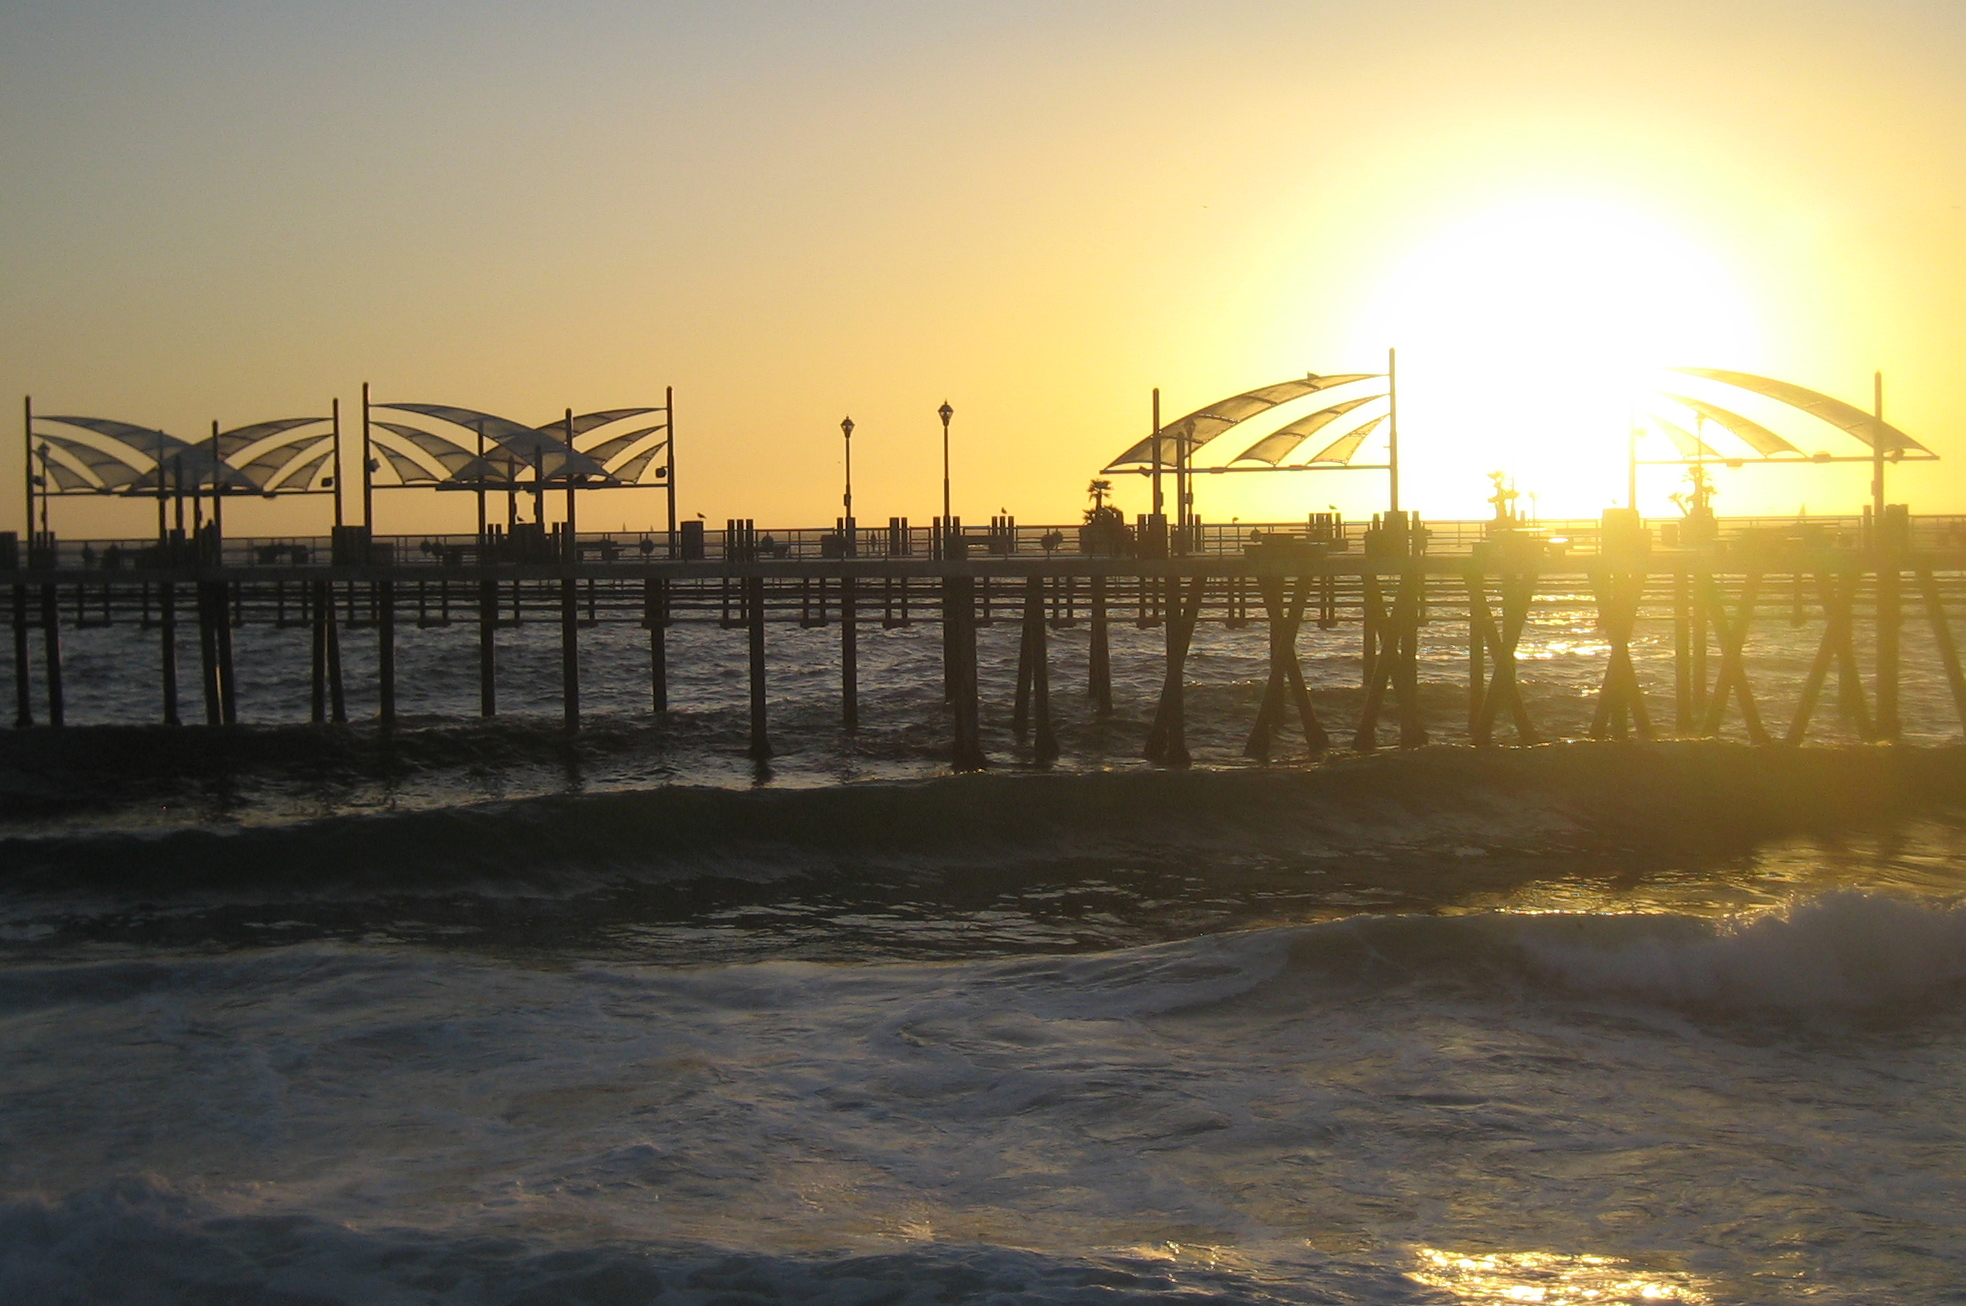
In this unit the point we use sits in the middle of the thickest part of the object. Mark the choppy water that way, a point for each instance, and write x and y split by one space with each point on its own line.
479 1016
111 680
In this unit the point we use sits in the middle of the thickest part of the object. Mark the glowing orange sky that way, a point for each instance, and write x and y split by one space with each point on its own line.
793 212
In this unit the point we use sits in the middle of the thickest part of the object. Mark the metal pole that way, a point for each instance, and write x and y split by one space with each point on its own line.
573 549
846 430
480 493
1877 454
1392 430
27 471
368 477
669 410
946 413
1631 461
1158 506
335 410
218 511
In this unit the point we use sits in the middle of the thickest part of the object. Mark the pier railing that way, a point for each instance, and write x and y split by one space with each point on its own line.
1555 539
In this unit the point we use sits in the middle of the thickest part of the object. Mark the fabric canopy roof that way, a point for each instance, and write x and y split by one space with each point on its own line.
1873 431
1763 440
1281 443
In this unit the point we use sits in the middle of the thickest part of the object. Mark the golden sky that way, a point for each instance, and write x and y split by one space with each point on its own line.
795 212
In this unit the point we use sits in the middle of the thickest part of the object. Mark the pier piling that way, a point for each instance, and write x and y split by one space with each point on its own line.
754 609
23 677
849 657
487 648
570 653
1099 654
385 652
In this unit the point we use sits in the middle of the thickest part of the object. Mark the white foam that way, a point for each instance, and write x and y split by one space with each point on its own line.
1840 952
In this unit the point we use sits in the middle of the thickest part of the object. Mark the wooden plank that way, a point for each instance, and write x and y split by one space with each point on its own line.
959 671
23 676
1733 678
51 654
1099 657
570 653
754 610
385 652
849 656
488 648
1942 636
655 616
223 597
1890 622
167 649
1167 739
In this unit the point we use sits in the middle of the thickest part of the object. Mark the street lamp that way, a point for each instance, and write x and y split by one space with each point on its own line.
945 412
846 430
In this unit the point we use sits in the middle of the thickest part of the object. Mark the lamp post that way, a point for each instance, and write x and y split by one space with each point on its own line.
945 412
846 431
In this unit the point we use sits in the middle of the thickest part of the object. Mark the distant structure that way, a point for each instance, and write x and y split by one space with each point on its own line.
417 446
1368 402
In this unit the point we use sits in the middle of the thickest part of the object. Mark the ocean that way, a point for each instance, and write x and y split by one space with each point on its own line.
474 1013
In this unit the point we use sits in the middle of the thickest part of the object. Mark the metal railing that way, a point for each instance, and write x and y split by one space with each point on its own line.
1004 538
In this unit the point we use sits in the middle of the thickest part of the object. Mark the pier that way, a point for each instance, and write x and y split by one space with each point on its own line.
1366 589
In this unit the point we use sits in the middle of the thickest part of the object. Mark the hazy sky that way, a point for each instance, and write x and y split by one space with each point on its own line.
793 212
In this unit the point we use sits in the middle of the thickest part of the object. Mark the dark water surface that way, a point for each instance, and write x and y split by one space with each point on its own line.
479 1014
1584 1023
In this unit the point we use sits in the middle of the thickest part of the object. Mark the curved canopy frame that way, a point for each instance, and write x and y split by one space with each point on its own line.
1180 438
123 458
519 457
1284 441
1872 430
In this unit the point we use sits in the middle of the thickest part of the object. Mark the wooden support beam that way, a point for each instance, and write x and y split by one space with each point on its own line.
23 677
208 651
1099 657
1020 711
1167 739
1034 675
331 635
1621 699
959 670
1393 646
223 598
487 648
570 652
167 649
950 633
1942 637
655 620
1733 678
1286 678
51 653
754 612
318 627
1371 623
1700 637
1890 620
1410 609
1683 717
1501 642
1837 648
849 656
385 651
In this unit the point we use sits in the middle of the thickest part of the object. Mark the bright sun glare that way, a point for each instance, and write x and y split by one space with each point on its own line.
1524 334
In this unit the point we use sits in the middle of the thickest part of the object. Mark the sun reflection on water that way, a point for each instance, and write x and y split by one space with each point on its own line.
1549 1279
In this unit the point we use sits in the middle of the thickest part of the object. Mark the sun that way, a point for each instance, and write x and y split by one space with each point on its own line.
1525 333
